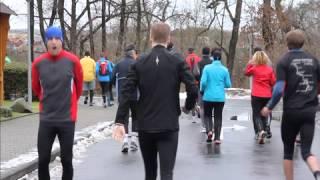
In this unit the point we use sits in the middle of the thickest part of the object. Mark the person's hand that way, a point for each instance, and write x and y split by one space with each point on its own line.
265 112
184 110
118 132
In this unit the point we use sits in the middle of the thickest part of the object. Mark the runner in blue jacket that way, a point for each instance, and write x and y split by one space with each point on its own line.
215 78
104 73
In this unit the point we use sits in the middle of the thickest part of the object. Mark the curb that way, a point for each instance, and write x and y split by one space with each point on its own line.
9 119
20 171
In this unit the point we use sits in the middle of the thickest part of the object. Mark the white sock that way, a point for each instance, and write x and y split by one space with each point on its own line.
126 138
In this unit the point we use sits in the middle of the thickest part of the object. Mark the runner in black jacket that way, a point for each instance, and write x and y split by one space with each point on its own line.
157 75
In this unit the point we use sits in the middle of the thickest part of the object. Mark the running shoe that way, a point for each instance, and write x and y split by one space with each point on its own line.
269 135
317 175
209 137
133 144
125 147
217 141
298 140
261 137
203 130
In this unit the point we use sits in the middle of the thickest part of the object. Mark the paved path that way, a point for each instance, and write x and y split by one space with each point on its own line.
19 136
238 157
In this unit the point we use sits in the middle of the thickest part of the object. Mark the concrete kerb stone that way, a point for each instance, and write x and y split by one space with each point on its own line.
11 118
20 171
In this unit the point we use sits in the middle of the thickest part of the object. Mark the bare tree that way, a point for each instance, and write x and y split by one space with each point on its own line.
62 24
103 24
234 34
285 24
266 25
90 28
53 13
41 19
122 27
138 30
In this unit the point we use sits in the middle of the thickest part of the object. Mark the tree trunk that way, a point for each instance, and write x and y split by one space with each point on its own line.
284 21
266 25
41 21
90 29
234 37
148 19
122 27
73 30
103 25
53 13
138 30
61 18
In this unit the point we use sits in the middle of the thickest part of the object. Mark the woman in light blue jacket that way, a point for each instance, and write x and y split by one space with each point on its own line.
214 80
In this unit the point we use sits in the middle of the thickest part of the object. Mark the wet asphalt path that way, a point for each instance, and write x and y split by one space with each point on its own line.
239 157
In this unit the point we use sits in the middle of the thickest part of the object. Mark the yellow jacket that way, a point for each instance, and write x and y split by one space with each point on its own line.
88 68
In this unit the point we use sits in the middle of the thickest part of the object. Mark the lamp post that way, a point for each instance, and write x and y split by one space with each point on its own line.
29 56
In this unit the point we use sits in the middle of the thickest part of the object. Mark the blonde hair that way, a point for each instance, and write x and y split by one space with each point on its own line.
260 58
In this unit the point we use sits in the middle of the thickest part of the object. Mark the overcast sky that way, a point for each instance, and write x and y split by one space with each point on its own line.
20 7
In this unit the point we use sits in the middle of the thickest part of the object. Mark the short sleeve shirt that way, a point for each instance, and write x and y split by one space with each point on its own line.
301 73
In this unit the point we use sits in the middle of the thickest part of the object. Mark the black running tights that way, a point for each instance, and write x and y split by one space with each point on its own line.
217 108
46 135
163 143
294 122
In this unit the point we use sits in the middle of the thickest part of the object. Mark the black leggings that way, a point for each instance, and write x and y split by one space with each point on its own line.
294 122
218 108
164 143
104 90
91 93
133 109
46 135
259 122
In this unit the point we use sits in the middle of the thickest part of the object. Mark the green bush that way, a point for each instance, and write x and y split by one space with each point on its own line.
15 80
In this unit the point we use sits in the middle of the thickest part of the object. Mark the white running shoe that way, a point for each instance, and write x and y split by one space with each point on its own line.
125 147
203 130
134 143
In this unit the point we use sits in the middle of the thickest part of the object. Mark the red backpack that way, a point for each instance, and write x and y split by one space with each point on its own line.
103 68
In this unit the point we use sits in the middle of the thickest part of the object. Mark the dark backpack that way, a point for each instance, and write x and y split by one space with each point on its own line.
103 68
194 68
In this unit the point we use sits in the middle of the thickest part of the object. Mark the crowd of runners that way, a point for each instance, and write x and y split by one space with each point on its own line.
148 87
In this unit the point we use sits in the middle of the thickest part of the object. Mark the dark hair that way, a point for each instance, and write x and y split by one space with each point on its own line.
257 49
170 46
205 51
190 50
216 53
87 53
130 47
295 39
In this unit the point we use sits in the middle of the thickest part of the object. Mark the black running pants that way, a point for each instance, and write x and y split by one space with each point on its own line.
294 122
133 109
163 143
46 135
217 108
259 122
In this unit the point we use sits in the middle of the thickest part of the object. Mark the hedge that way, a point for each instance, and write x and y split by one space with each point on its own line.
15 80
